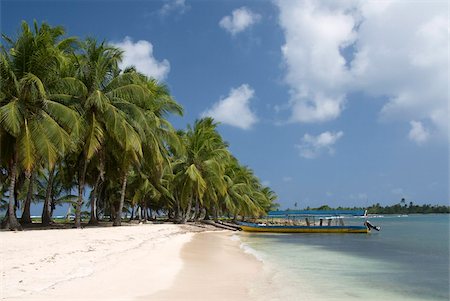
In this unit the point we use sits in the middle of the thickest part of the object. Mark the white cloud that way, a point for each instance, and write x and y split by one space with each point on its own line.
179 6
396 51
235 108
404 57
313 146
418 132
316 70
240 19
140 55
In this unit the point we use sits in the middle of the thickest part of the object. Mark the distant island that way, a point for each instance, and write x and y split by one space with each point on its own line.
401 208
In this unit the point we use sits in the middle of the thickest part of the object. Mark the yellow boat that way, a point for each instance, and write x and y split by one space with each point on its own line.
248 227
305 222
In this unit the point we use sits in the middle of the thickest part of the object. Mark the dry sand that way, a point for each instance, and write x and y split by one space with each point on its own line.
141 262
117 263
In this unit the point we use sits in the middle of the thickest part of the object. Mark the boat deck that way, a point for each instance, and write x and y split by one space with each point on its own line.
304 229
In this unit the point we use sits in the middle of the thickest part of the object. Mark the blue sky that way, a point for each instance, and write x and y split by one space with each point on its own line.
329 102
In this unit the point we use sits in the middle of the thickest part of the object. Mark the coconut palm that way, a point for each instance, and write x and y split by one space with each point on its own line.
200 168
146 111
35 126
70 117
98 90
53 190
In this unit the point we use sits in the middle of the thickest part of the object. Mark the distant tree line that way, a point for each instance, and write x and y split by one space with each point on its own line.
407 208
401 208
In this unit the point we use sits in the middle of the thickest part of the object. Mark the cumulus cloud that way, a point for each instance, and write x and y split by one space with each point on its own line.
313 146
179 6
418 132
235 109
316 70
392 50
240 19
140 55
409 64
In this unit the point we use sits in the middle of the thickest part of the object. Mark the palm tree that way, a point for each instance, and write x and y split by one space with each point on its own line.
100 92
53 190
245 196
36 127
26 214
70 117
200 168
146 111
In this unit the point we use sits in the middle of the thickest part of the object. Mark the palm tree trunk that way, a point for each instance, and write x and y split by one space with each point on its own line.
52 206
46 218
144 213
187 214
139 213
132 213
118 219
99 202
26 215
216 214
93 219
206 214
81 181
10 219
197 210
178 210
113 212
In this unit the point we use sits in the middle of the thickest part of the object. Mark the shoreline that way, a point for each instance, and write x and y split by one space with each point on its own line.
215 267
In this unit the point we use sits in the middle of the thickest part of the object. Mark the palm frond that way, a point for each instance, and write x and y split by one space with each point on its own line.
11 117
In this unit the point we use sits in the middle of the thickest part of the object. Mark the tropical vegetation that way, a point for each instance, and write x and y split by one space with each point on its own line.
77 129
402 207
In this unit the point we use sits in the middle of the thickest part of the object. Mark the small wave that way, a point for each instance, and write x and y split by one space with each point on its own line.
235 237
249 250
246 248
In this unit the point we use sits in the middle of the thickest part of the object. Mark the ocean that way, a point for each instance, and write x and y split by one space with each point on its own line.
407 260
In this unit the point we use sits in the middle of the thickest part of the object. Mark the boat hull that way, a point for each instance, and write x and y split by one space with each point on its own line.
305 229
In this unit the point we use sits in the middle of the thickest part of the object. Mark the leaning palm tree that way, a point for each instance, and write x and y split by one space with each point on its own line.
36 126
146 112
200 168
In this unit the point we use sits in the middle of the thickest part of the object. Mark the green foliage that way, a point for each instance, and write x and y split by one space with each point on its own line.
403 208
67 110
400 208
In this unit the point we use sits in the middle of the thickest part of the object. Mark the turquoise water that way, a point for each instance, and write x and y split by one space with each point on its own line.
407 260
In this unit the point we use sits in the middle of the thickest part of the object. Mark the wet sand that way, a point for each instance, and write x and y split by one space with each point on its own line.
214 268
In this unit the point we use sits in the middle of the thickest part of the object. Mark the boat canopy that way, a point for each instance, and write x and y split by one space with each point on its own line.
290 213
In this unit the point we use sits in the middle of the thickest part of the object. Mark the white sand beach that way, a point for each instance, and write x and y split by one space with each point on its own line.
91 264
141 262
